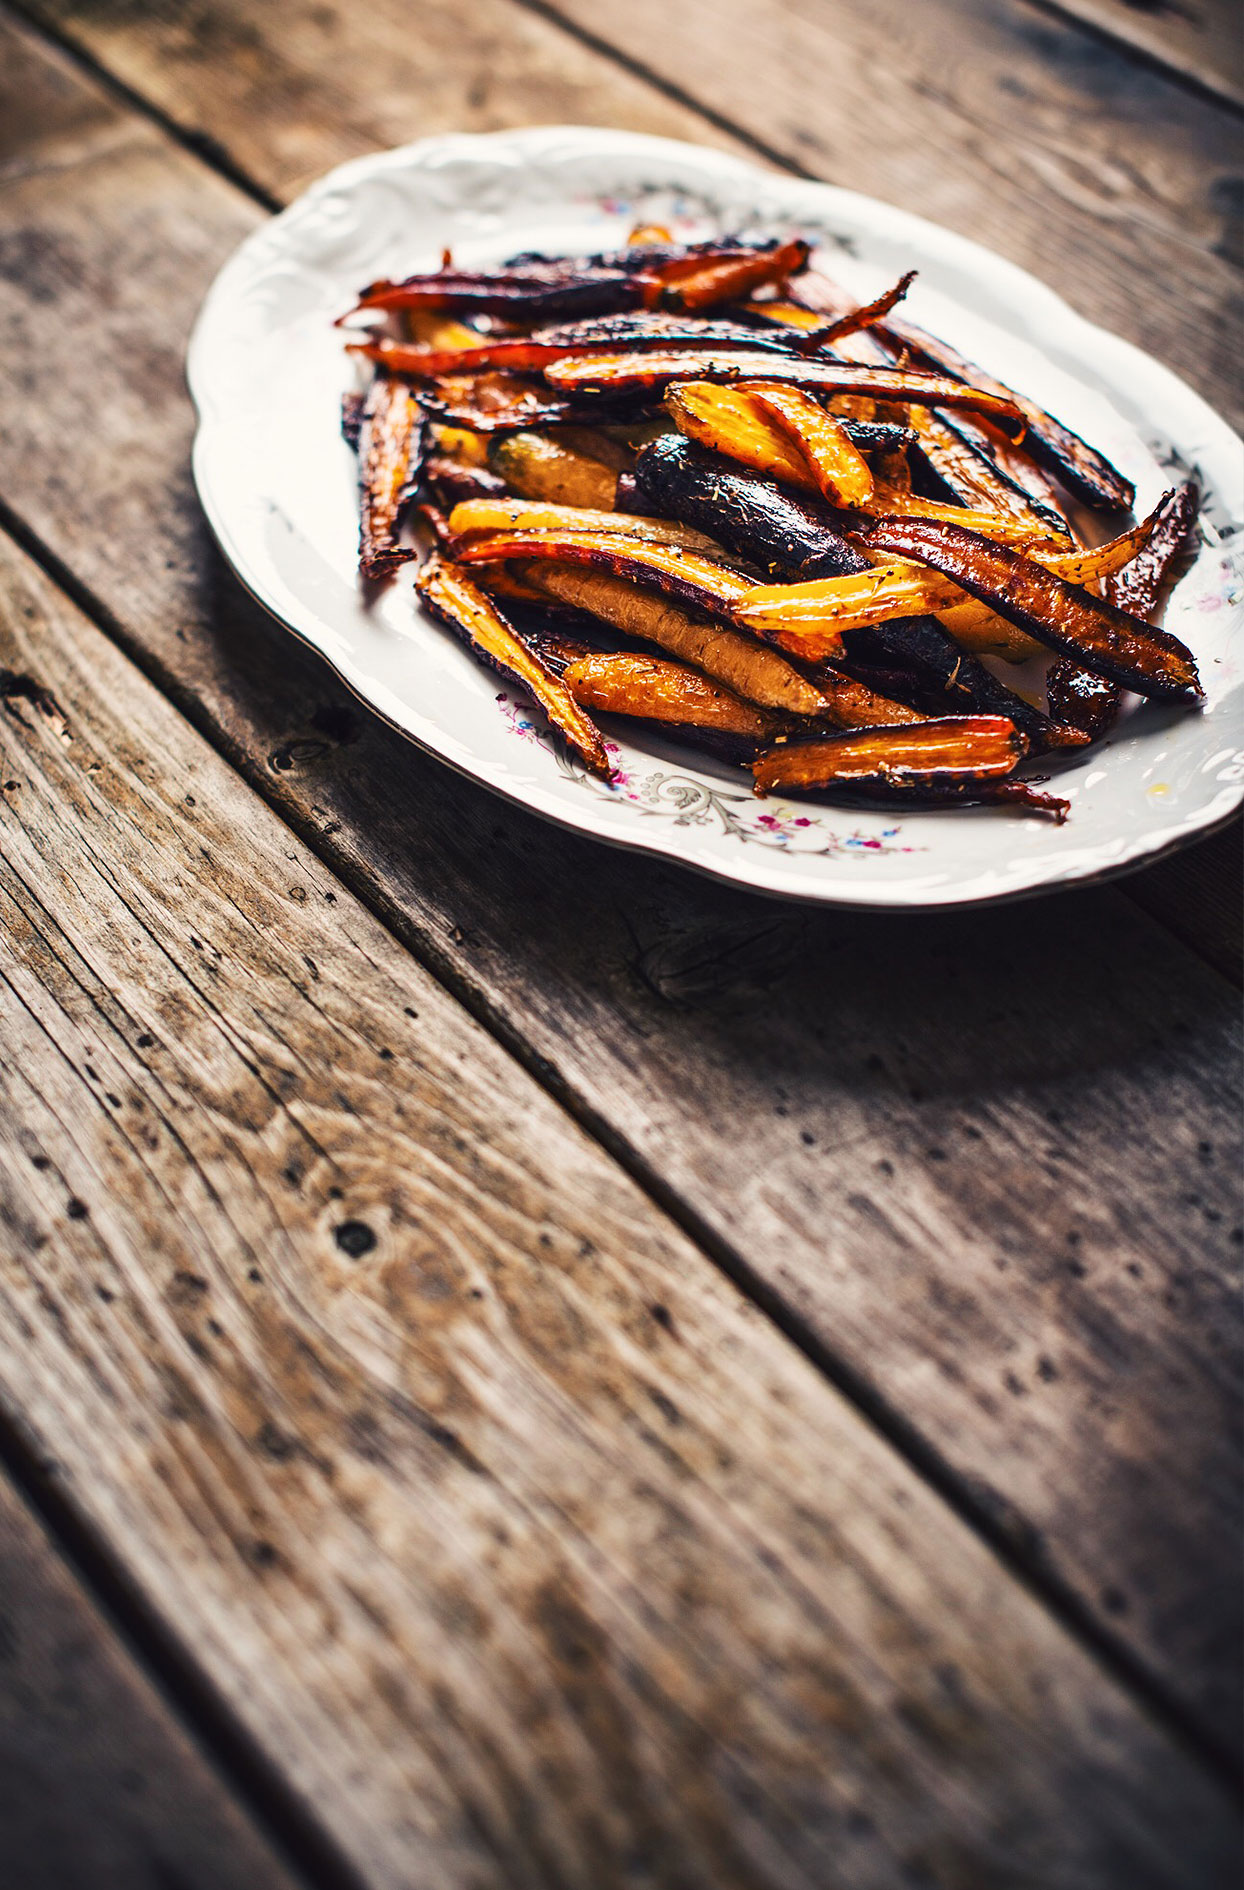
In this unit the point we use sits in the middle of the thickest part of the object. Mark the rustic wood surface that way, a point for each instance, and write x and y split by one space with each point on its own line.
82 1725
282 93
995 1202
1199 894
532 1552
980 1141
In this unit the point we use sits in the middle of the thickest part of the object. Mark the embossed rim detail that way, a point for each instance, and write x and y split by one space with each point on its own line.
496 189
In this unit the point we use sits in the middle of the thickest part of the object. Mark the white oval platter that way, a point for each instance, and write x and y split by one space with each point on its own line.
267 371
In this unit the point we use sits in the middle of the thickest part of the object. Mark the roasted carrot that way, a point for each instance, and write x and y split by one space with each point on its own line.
386 441
617 374
838 468
449 594
1064 616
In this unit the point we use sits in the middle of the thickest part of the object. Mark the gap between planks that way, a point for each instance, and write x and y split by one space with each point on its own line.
87 1710
1160 34
1100 26
199 144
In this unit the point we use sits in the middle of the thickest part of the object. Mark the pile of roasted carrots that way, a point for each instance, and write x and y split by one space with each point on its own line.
699 487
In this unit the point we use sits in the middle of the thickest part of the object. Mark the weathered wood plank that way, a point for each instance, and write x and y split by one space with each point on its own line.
1201 39
957 1176
287 92
82 1727
527 1549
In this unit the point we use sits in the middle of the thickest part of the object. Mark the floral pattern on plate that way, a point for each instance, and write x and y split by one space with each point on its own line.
691 801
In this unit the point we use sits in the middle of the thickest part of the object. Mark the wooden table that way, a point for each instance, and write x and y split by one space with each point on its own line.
521 1369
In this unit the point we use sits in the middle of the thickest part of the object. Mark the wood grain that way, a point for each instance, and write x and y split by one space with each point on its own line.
529 1551
284 92
935 1141
1200 39
81 1725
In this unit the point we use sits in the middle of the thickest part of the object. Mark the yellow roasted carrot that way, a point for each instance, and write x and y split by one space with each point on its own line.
810 620
474 515
725 419
758 674
450 594
656 690
687 576
539 467
837 466
1028 533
